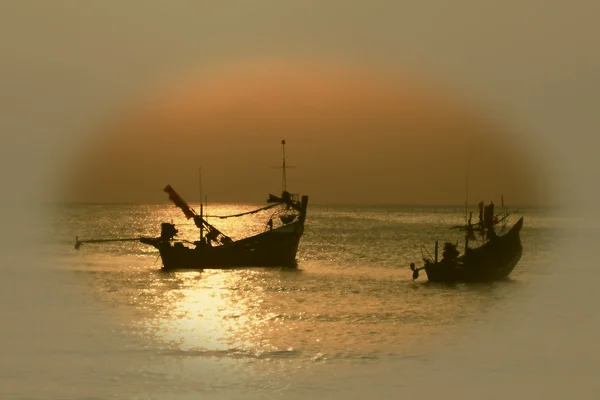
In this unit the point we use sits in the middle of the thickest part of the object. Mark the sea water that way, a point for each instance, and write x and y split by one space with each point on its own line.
105 322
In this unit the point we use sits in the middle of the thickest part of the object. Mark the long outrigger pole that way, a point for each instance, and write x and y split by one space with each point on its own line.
78 242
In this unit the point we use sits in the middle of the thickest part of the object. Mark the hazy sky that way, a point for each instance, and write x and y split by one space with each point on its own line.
79 65
352 136
68 67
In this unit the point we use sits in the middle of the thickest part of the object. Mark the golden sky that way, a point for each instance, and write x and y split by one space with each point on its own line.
69 68
354 135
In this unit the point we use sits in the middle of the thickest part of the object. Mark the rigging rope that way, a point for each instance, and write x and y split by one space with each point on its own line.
244 213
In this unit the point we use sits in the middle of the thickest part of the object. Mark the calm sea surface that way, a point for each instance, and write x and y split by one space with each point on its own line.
350 306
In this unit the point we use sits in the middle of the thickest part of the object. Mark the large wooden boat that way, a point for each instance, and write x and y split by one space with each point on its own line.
493 260
275 247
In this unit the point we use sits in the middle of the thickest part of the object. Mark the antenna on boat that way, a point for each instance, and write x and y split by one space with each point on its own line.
283 178
467 219
467 188
506 213
200 183
284 168
201 207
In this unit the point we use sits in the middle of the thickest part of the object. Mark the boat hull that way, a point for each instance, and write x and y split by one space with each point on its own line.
275 248
495 260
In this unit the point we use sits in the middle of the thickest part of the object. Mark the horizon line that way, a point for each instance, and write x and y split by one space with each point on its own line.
325 204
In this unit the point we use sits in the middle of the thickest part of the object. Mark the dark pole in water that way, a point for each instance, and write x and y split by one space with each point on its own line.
436 251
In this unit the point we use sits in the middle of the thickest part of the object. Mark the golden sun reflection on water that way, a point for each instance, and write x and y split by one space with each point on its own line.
203 312
211 311
335 306
261 313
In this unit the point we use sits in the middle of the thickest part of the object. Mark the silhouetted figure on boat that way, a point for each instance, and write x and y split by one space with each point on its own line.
450 252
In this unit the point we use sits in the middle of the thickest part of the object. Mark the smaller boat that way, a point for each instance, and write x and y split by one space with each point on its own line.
494 260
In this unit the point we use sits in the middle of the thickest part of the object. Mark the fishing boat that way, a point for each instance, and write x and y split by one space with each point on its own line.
493 260
276 246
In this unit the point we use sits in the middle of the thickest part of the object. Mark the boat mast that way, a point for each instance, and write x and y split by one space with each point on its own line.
283 178
505 217
467 219
201 208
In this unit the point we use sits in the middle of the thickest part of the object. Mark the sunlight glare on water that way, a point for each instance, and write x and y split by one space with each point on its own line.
351 299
